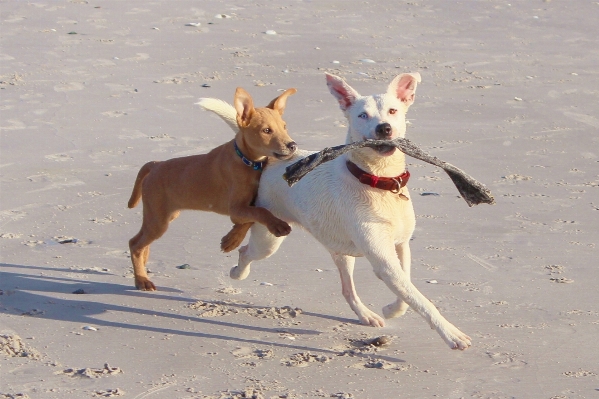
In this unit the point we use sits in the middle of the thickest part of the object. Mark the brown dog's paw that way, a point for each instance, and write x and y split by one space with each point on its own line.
230 242
235 237
279 228
144 284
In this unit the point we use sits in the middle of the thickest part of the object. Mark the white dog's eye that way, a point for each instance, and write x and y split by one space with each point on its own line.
392 111
363 115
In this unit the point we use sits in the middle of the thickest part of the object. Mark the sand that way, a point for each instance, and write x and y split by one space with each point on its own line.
91 90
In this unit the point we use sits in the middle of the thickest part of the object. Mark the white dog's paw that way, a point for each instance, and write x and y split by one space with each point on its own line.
238 273
455 338
395 309
369 318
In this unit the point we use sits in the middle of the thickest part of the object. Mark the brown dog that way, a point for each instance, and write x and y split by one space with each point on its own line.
224 181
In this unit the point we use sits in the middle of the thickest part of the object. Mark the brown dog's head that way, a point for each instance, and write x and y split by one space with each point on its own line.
263 130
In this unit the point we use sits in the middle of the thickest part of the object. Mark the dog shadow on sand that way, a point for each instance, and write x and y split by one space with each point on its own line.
27 295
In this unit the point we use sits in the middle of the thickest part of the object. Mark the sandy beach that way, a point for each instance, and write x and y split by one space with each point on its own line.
92 90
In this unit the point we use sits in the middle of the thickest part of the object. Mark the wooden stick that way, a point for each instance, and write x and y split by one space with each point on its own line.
472 191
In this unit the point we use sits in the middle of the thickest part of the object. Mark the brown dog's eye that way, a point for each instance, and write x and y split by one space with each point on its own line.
392 111
267 130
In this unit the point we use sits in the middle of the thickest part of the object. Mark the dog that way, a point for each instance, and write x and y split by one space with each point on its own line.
356 205
224 181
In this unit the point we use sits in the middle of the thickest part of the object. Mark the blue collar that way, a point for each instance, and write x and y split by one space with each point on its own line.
253 164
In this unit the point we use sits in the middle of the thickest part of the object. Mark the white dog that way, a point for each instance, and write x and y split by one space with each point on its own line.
356 205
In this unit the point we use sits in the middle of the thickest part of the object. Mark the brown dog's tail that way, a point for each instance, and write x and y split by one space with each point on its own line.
141 175
223 109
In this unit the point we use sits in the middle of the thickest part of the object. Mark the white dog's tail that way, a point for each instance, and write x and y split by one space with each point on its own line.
221 108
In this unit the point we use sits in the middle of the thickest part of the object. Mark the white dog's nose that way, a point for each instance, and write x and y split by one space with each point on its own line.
383 131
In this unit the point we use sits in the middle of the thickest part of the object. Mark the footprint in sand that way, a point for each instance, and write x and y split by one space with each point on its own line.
304 359
507 360
364 346
219 308
92 372
383 365
245 352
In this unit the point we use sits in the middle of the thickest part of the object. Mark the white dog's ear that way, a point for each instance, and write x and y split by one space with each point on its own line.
343 92
244 105
278 104
404 87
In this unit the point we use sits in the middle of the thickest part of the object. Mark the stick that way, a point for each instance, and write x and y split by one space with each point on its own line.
472 191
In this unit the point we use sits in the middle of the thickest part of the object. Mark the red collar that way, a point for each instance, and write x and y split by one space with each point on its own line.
393 184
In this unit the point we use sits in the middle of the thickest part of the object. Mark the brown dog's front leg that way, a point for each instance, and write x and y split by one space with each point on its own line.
245 214
234 237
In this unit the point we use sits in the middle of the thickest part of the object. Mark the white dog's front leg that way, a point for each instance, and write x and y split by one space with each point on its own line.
386 265
345 264
261 245
400 307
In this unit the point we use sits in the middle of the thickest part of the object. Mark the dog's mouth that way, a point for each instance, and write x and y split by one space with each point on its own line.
384 149
282 156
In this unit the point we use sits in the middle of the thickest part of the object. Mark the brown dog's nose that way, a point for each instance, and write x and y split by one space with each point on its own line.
383 131
292 146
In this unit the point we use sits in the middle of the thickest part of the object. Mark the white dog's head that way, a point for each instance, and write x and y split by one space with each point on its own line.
381 116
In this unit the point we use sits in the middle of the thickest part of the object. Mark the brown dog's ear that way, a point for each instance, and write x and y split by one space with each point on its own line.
244 105
278 104
404 87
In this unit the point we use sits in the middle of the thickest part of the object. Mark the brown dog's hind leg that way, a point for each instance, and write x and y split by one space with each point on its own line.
153 228
142 282
234 237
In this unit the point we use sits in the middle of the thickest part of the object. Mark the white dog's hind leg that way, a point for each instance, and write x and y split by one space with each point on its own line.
400 307
345 264
386 265
261 245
